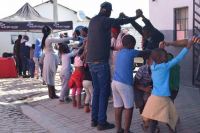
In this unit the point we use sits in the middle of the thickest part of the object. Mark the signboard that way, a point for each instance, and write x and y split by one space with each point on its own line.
34 26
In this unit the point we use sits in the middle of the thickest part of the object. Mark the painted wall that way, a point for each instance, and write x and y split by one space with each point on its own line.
161 13
5 41
45 10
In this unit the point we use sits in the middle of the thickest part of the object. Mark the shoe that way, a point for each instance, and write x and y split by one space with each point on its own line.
105 126
94 124
120 131
55 97
67 100
44 83
86 108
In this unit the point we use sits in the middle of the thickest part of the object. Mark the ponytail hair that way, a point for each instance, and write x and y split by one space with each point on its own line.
46 30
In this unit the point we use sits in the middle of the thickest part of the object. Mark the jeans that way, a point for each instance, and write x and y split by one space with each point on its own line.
101 83
31 68
25 64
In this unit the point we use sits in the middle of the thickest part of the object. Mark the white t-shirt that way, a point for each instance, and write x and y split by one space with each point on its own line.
66 63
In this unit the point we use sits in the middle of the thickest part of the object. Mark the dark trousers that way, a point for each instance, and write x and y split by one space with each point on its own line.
18 65
25 64
101 83
31 67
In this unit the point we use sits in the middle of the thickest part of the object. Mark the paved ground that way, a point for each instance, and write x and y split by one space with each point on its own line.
13 94
51 116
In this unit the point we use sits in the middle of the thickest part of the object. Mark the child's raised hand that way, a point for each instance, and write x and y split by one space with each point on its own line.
190 43
162 44
196 39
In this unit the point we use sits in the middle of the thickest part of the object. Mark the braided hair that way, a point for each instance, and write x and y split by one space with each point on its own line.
46 30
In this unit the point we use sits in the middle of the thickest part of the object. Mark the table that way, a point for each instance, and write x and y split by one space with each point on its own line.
7 68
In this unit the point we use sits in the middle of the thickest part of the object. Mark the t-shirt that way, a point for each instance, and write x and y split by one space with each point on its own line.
66 63
124 66
99 36
78 62
161 72
144 75
38 49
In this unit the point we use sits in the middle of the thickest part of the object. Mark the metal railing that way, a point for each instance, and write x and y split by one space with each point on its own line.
196 48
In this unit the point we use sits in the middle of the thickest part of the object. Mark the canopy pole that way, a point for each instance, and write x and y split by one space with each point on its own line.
55 10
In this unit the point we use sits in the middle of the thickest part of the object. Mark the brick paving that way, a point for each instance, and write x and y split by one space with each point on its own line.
187 103
13 93
17 92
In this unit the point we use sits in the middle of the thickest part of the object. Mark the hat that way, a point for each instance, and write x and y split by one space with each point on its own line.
106 5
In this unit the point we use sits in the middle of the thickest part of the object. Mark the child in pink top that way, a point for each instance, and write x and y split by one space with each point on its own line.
76 79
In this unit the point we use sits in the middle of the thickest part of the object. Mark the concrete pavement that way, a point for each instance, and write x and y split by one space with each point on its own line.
46 115
71 120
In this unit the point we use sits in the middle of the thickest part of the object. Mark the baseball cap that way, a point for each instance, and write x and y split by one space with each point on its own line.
106 5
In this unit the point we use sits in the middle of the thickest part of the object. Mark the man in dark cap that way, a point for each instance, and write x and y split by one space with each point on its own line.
98 50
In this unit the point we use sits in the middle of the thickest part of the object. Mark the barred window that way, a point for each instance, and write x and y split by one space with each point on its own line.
181 23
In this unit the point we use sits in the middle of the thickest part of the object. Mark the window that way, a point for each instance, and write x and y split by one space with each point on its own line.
181 23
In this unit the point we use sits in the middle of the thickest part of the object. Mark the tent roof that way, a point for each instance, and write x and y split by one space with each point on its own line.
26 13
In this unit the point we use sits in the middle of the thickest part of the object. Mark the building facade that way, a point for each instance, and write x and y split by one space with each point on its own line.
45 10
176 19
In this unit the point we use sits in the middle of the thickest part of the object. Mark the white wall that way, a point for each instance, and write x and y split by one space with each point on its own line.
161 12
5 41
46 10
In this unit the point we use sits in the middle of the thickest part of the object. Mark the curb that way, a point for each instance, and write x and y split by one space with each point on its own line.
47 123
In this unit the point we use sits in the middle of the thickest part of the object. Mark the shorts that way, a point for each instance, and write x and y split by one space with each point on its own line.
123 95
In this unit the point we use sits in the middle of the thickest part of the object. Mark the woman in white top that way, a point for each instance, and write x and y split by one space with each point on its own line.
50 60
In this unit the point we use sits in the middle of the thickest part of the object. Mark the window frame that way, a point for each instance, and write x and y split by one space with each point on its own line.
185 19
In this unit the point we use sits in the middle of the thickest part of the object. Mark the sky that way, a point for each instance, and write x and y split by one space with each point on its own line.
90 7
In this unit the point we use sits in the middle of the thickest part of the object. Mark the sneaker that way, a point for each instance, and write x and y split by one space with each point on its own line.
67 100
105 126
94 124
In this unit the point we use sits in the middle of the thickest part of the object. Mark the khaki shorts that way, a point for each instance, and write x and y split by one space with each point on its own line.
122 95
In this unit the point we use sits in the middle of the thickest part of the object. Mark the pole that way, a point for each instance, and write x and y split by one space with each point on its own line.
55 10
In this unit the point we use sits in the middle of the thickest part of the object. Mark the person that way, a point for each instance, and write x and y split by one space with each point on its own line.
76 80
31 62
116 44
50 59
98 50
174 79
142 90
122 83
16 52
87 80
87 85
151 37
77 37
161 106
65 72
25 55
36 58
